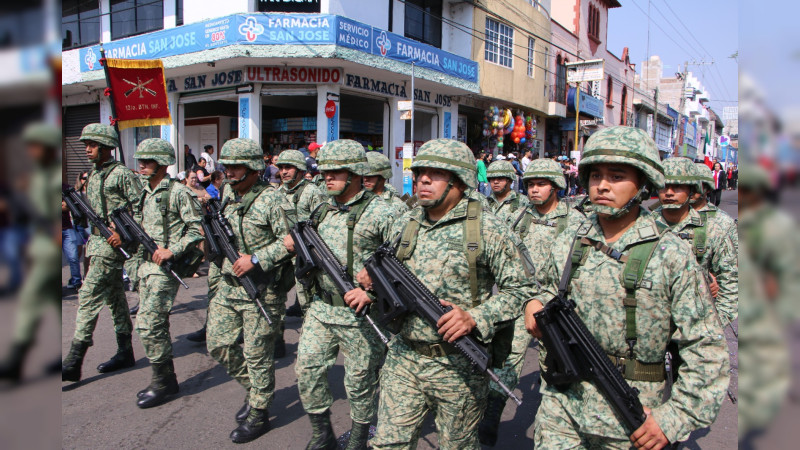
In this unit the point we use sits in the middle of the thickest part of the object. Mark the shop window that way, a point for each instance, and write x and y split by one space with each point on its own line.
594 23
531 55
20 24
610 93
623 109
132 17
561 80
143 133
178 12
80 23
424 21
499 43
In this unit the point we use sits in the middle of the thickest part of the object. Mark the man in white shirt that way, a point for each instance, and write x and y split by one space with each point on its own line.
526 159
208 150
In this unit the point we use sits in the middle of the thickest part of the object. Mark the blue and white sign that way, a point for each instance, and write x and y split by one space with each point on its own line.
589 105
333 125
447 132
244 117
280 29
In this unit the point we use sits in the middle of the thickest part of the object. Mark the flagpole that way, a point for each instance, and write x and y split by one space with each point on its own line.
111 100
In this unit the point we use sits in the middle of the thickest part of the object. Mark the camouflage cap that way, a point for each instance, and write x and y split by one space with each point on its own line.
623 145
42 133
102 134
379 165
501 169
704 175
246 152
754 177
159 150
547 169
343 154
681 171
292 158
450 155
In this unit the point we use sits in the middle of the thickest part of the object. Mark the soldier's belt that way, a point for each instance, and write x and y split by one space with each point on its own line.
232 280
639 371
432 350
332 299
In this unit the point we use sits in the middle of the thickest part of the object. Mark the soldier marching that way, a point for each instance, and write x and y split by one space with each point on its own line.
492 264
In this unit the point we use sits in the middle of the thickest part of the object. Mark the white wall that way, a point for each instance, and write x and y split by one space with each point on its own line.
454 40
198 10
374 12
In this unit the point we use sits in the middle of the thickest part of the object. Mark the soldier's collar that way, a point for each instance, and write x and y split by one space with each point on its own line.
644 229
346 206
562 209
296 186
457 212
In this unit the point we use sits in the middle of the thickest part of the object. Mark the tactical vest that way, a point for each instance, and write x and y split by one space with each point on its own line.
698 236
299 193
104 173
515 202
636 260
560 223
472 246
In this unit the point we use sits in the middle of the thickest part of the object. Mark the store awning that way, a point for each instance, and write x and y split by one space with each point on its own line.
589 106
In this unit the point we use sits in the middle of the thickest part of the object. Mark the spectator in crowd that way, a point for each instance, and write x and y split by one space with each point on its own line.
517 185
272 173
206 155
203 176
69 245
82 225
526 159
193 183
213 189
572 177
181 177
189 160
720 180
482 164
729 177
311 159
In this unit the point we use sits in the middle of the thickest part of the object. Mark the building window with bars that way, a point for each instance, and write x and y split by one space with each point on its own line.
610 92
499 43
594 23
423 21
132 17
143 133
178 12
80 23
531 56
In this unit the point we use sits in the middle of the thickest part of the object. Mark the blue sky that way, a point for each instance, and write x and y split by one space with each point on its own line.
690 30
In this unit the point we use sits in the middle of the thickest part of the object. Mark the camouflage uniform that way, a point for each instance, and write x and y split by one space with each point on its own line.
508 209
330 326
110 186
711 212
412 382
580 416
719 256
305 196
379 165
157 287
259 231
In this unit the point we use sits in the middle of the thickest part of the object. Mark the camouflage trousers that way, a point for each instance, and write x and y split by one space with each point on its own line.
316 354
102 285
156 295
512 368
253 364
413 384
39 291
554 428
302 298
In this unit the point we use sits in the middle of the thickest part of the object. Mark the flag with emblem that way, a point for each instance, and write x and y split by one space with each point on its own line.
138 92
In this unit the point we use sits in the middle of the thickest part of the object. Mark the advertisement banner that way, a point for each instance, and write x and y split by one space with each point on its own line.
244 117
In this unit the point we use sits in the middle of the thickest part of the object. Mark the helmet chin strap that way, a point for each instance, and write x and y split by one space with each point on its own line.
434 203
542 202
297 177
334 193
612 213
236 181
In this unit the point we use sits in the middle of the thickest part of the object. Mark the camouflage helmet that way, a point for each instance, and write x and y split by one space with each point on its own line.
754 177
102 134
623 145
242 151
501 169
379 165
42 133
547 169
343 154
681 171
450 155
159 150
704 175
292 158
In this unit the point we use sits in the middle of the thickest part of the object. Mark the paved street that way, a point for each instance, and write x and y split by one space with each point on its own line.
100 411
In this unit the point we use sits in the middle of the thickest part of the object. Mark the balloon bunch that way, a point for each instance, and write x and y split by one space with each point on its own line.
530 131
518 130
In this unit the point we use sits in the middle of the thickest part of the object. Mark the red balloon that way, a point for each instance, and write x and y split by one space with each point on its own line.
516 140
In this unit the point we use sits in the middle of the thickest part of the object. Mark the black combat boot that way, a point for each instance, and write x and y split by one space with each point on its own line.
244 411
487 430
197 336
71 367
280 348
163 385
322 437
11 368
294 310
257 424
124 357
135 310
359 434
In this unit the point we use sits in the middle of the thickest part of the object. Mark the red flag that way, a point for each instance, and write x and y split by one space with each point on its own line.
139 92
707 161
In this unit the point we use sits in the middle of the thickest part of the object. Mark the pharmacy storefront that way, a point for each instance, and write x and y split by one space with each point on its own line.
285 81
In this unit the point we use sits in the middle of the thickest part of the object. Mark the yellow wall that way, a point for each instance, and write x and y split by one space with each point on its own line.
513 84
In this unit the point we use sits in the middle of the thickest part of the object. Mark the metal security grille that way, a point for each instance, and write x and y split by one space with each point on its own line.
75 118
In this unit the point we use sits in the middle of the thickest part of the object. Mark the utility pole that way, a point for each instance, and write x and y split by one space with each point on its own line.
655 114
681 112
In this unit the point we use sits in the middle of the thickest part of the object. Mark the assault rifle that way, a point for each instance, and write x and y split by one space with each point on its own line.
130 231
574 355
79 209
400 292
221 240
313 254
